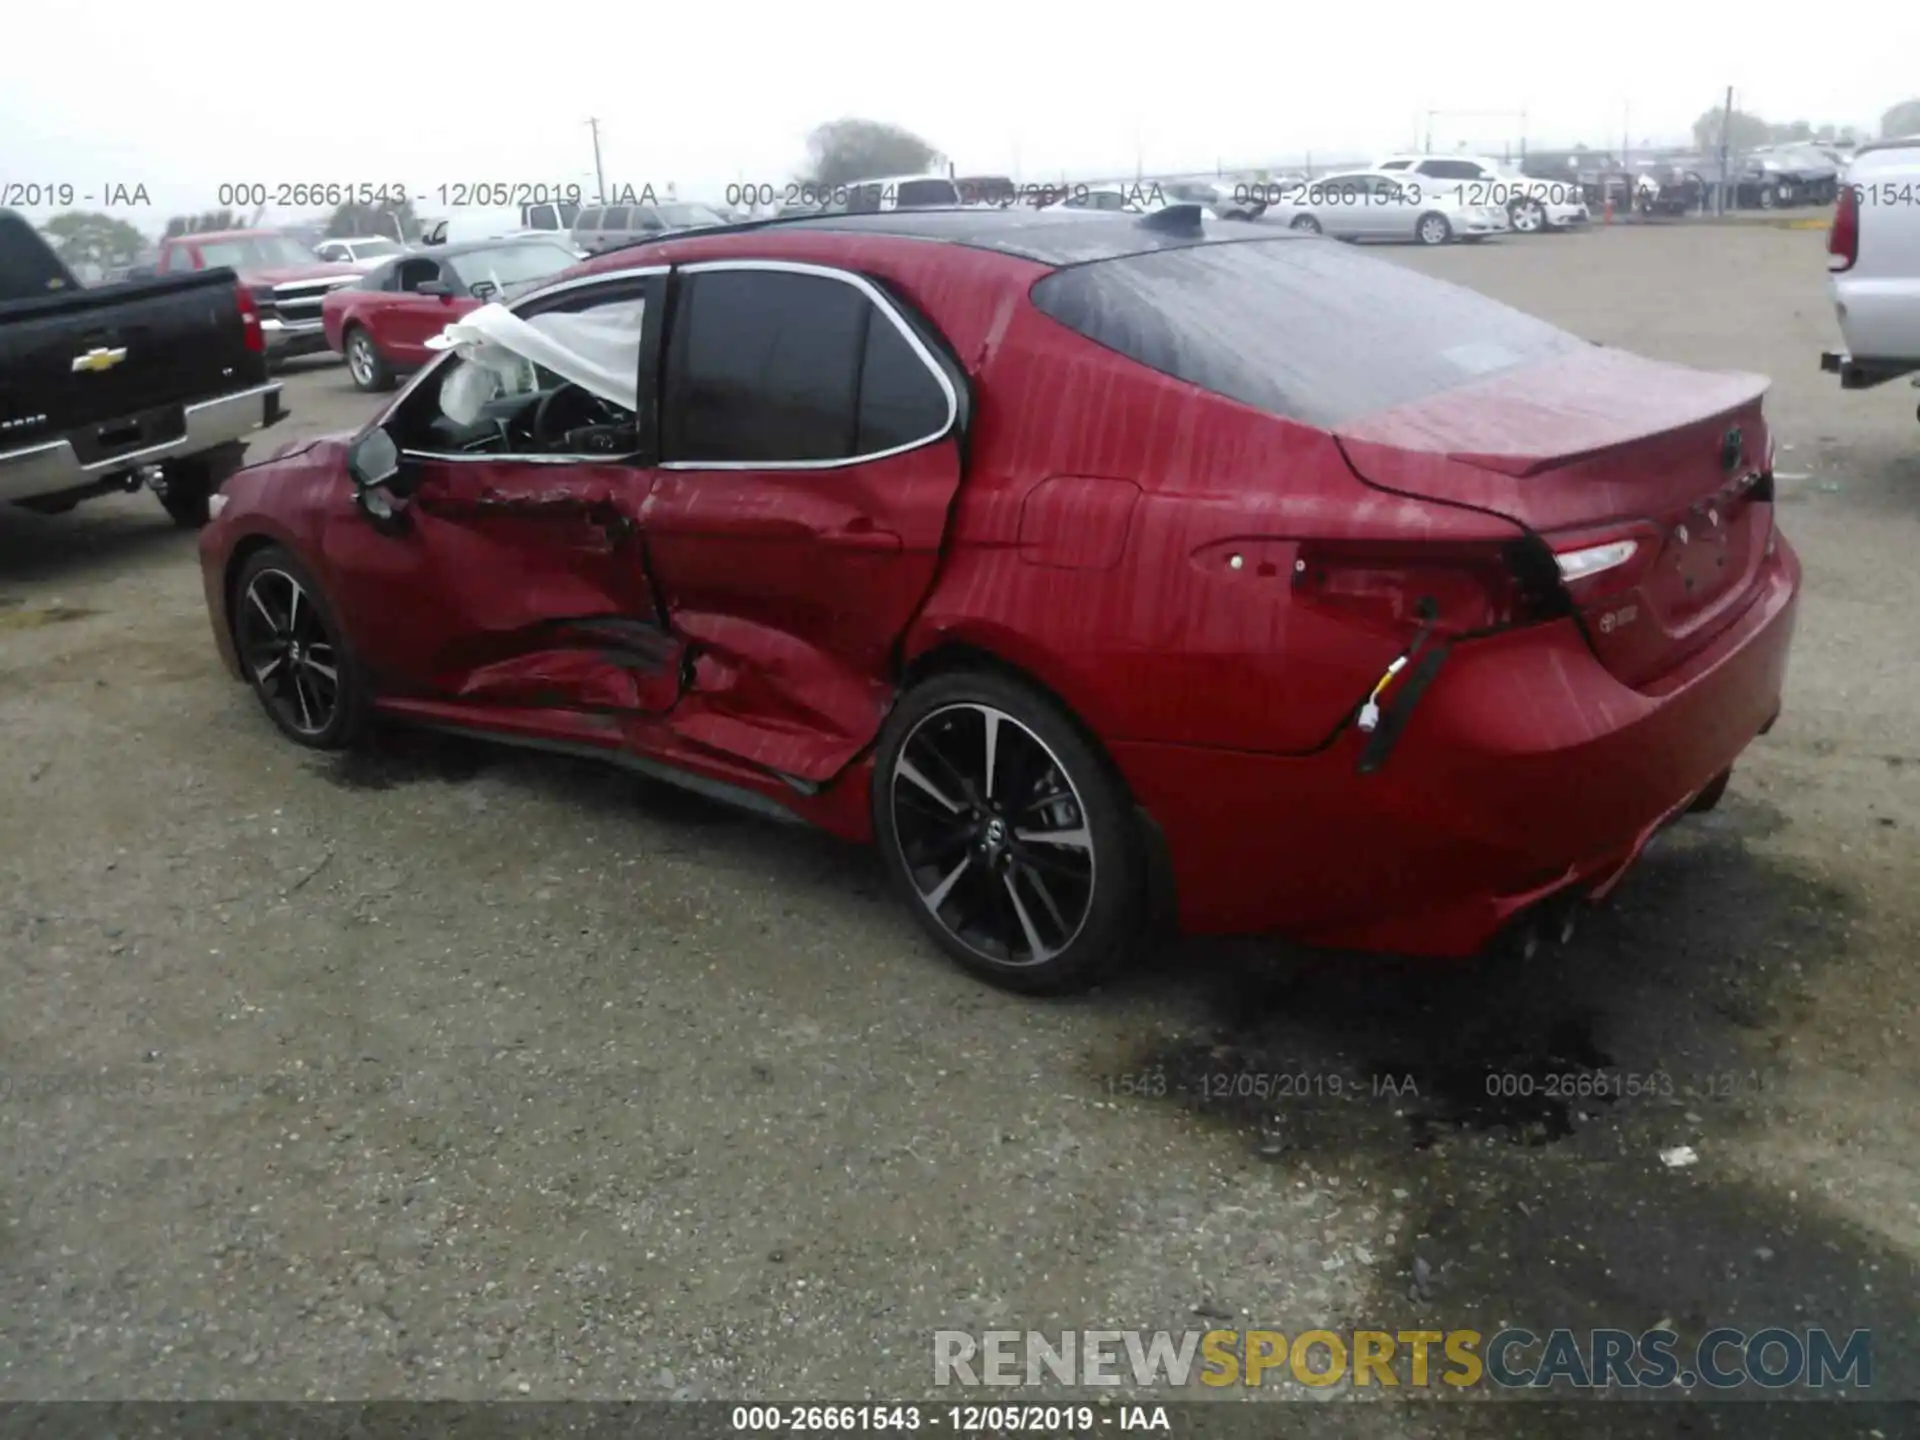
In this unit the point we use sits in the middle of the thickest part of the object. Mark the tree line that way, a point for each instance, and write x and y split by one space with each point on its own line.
839 152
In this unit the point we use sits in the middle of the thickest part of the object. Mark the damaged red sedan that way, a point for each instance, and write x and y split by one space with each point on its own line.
1084 562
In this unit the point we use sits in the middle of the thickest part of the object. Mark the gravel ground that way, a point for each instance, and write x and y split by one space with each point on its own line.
441 1071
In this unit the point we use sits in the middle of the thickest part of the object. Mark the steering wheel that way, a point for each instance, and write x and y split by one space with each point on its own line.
591 409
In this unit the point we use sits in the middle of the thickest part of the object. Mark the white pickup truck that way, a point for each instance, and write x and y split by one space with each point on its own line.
1873 252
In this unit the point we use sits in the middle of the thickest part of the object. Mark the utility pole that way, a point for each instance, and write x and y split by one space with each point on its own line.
1726 138
599 175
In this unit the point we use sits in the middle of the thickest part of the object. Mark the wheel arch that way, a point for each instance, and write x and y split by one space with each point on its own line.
244 549
954 654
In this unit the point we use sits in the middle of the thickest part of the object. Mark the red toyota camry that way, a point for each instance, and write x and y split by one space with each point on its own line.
1076 559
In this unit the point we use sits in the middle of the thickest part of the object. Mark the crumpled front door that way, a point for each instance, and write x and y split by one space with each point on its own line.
514 583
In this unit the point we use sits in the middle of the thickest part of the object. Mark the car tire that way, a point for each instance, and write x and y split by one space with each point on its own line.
1305 224
287 639
1527 216
365 367
1038 916
1433 229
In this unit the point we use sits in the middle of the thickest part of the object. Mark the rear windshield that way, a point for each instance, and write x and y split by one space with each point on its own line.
1307 329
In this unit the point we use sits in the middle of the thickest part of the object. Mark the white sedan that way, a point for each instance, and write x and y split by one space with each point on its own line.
1369 205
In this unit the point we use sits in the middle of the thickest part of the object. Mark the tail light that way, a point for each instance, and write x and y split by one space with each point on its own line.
255 337
1449 589
1843 236
1597 563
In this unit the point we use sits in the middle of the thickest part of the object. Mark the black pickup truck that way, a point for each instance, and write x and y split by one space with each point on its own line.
158 382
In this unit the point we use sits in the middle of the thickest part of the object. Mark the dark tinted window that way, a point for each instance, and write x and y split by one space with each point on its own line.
761 367
589 220
1307 329
900 401
1450 169
618 218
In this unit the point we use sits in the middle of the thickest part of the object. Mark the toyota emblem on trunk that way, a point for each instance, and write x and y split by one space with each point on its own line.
1730 448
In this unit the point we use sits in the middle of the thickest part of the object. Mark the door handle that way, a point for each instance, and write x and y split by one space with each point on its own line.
861 534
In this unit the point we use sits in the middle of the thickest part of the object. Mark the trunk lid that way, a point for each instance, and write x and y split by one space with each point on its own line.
1596 448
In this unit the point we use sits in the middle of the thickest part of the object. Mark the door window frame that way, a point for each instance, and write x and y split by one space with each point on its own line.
536 304
875 296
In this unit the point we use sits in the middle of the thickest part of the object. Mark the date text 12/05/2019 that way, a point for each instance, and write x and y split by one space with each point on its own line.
1056 1421
462 195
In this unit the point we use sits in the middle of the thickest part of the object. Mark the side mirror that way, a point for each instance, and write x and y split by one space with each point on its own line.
373 460
439 288
374 463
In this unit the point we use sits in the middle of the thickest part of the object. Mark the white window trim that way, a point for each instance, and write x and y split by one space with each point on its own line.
880 299
493 457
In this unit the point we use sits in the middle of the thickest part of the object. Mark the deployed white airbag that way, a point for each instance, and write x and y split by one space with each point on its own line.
598 350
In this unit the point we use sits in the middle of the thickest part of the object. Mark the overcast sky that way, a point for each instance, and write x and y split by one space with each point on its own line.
183 98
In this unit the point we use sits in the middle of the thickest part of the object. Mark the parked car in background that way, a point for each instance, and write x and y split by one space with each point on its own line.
1598 174
287 281
1531 204
1673 184
1223 199
497 222
158 382
997 190
381 326
365 252
801 547
1873 254
1789 175
1372 205
1113 199
599 229
902 192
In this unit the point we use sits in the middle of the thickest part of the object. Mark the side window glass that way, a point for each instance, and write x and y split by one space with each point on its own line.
412 274
763 367
616 218
901 403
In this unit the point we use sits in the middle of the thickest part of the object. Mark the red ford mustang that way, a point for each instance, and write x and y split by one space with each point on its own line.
1077 559
382 325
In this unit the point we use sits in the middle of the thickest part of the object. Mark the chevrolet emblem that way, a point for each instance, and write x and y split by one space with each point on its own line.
94 361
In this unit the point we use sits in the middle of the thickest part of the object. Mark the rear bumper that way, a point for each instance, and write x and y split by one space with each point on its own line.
288 338
1527 771
1858 374
51 468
